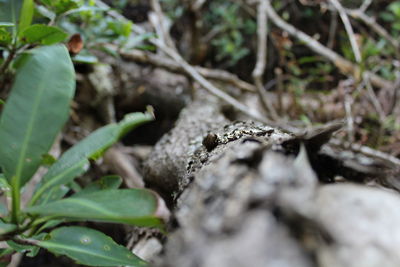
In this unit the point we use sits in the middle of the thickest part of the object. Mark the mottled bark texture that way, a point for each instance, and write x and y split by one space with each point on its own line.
245 194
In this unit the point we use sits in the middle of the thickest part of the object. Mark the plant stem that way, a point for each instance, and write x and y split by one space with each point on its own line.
6 63
16 201
8 60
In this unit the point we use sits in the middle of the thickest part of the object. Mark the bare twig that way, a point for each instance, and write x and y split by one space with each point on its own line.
359 14
349 29
192 72
348 100
365 5
207 85
261 59
395 94
374 99
366 151
171 65
332 30
121 164
344 65
161 26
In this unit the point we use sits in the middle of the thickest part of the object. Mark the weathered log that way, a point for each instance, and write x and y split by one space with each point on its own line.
245 196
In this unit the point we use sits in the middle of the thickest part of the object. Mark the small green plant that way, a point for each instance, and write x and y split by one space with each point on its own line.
32 116
233 30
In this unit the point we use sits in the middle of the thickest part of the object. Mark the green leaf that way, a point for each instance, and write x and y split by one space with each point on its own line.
54 193
43 34
89 247
61 6
39 100
32 250
10 10
395 8
5 37
75 161
138 207
104 183
49 224
26 15
6 228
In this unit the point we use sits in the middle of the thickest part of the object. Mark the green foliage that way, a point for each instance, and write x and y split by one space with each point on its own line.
26 15
24 118
139 207
232 28
32 116
43 34
89 247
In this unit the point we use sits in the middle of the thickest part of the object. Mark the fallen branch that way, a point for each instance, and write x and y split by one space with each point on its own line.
261 59
172 66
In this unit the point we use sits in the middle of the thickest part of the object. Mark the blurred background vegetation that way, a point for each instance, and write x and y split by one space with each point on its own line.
305 87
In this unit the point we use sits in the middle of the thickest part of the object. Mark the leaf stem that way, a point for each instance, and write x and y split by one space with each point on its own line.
16 201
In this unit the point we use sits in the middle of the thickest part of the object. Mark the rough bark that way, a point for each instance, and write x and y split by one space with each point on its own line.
245 194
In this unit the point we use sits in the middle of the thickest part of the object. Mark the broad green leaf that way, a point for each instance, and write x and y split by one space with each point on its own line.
26 16
139 207
89 247
6 228
104 183
73 162
35 111
43 34
10 10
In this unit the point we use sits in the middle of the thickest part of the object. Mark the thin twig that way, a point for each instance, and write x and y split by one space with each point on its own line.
192 72
359 14
5 65
332 30
262 28
366 151
349 29
365 5
348 101
374 99
344 65
163 31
